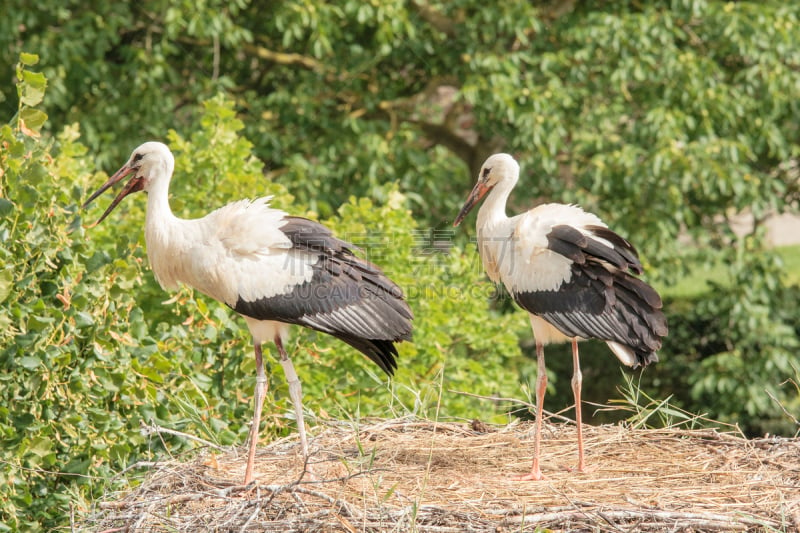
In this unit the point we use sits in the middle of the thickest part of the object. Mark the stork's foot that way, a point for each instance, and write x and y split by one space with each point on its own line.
533 475
580 469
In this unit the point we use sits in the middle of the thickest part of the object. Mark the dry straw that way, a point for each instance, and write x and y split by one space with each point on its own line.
410 475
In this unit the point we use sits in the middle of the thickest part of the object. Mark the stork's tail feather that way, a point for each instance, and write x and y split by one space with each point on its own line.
383 352
632 357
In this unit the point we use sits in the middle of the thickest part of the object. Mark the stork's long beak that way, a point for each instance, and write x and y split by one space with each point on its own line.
135 184
478 192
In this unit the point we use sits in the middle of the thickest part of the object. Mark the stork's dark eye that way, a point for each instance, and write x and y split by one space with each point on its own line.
137 158
486 171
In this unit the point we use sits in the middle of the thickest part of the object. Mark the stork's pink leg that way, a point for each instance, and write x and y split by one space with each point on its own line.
541 387
295 393
260 393
577 379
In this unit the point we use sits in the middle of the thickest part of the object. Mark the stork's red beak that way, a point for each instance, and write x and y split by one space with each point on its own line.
478 192
135 184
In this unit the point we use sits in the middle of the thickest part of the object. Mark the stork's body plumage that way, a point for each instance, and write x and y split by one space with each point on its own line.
273 269
574 276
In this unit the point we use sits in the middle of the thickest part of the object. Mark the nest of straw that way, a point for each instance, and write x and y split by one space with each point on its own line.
411 475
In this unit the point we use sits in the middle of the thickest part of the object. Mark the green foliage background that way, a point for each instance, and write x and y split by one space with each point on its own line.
664 118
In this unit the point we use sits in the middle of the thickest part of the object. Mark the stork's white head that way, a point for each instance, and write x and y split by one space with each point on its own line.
150 163
498 168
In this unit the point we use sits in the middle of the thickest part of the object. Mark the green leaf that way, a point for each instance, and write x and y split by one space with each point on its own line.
6 206
40 321
83 320
41 446
6 282
29 362
97 260
28 59
35 80
33 118
33 88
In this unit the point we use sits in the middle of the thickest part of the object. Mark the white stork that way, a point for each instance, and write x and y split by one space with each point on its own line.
572 274
271 268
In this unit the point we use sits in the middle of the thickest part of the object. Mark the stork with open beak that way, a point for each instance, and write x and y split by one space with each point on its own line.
273 269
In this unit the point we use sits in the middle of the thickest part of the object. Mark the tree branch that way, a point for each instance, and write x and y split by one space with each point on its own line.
652 519
433 17
283 58
155 429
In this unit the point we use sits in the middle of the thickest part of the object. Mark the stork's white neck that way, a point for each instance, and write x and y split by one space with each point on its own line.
161 234
493 209
158 210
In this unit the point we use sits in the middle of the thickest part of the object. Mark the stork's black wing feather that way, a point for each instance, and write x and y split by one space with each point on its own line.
601 298
346 297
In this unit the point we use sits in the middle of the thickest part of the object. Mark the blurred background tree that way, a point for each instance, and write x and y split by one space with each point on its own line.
667 119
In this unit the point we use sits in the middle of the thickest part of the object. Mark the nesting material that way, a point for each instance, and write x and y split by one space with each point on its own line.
410 475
